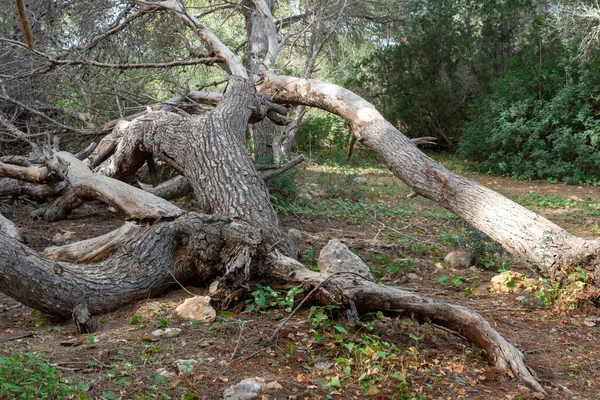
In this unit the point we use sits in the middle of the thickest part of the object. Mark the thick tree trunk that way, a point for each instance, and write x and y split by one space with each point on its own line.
192 246
523 233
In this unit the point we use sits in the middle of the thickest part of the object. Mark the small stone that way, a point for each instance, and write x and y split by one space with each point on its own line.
439 266
166 332
589 322
458 259
68 235
273 386
166 373
411 276
197 308
58 239
360 179
247 389
214 286
323 363
185 366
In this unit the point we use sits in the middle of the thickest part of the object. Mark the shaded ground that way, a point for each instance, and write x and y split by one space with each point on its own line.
402 240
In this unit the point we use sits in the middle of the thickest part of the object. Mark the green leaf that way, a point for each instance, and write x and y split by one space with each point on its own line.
442 279
108 395
340 328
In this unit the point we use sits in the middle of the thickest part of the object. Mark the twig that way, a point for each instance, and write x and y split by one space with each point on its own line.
255 353
243 323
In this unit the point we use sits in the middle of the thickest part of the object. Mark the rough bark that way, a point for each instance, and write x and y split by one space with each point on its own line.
523 233
192 246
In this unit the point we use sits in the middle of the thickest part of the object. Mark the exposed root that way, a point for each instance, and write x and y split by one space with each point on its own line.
370 296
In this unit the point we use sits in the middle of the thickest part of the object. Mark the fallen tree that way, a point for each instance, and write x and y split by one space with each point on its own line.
237 236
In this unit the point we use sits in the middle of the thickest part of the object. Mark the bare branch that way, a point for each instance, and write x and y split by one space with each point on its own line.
271 32
272 174
25 23
40 114
234 66
93 63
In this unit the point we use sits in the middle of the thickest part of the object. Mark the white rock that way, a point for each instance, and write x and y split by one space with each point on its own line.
360 179
336 257
273 386
197 308
166 332
185 366
458 259
411 276
166 373
247 389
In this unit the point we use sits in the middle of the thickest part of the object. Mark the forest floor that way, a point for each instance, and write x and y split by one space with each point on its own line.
319 354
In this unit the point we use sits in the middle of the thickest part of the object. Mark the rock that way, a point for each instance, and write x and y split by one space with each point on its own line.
323 363
185 366
411 276
214 286
295 236
360 179
164 333
197 308
311 192
273 386
511 281
166 373
458 259
61 238
247 389
336 257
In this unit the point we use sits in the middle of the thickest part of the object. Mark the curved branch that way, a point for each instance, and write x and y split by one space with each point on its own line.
131 201
25 23
369 296
522 232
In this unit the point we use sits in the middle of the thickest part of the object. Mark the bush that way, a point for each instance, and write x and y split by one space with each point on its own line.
539 121
323 132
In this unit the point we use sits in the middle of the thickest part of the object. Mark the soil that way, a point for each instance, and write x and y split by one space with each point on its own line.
561 346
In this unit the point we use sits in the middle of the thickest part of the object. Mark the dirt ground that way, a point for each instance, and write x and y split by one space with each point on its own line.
118 361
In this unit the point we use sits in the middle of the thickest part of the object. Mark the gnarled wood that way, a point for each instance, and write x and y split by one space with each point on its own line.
193 245
355 292
133 202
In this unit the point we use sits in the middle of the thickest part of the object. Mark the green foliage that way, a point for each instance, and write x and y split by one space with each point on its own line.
28 376
284 187
323 131
264 298
541 118
445 55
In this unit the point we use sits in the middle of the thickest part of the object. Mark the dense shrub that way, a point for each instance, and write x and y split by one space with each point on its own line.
323 131
540 119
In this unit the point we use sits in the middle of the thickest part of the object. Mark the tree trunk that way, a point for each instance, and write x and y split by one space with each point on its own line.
520 231
192 246
240 241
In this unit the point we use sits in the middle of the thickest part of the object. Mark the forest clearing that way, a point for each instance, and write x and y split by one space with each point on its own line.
402 243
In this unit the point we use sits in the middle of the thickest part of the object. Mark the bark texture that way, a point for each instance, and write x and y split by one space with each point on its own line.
520 231
192 246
